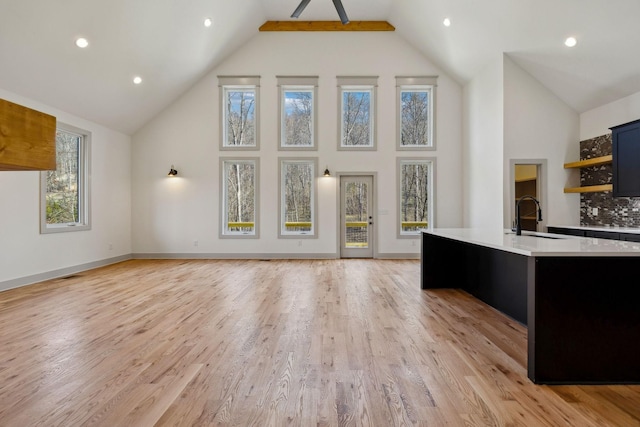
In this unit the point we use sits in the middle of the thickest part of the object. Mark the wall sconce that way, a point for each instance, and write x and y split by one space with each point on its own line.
326 172
172 172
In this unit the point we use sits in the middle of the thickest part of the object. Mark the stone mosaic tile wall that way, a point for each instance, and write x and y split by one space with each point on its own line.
618 211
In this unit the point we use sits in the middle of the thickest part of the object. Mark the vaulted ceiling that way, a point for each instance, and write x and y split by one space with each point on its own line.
166 43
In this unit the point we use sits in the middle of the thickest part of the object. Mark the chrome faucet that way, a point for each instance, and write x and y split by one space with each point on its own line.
518 219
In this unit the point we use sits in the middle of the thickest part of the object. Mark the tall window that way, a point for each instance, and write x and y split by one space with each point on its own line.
298 102
357 107
64 192
415 178
298 197
240 108
239 197
416 101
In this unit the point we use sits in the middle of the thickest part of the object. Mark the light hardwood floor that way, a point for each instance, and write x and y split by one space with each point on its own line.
274 343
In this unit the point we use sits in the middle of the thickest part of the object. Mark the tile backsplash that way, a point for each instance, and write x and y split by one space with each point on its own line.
611 211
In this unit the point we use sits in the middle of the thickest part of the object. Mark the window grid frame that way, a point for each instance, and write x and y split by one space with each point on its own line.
419 83
84 186
224 232
431 194
245 84
358 84
282 233
301 83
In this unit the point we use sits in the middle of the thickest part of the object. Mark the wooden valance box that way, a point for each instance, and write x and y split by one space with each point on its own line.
27 138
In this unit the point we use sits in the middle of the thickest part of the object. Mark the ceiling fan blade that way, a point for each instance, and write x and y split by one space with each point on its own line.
296 13
343 15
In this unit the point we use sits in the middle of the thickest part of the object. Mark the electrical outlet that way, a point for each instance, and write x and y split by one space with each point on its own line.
594 211
413 243
299 242
110 246
195 243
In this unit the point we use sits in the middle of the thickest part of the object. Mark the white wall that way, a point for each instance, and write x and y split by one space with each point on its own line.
170 214
24 252
597 122
538 125
483 150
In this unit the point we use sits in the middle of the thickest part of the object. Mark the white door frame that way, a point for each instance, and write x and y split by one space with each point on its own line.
510 214
374 210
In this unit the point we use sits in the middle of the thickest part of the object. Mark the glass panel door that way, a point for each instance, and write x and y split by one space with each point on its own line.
356 219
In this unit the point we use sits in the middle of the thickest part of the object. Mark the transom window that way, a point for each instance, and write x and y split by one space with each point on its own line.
357 107
416 101
298 197
298 112
64 192
239 112
415 205
239 197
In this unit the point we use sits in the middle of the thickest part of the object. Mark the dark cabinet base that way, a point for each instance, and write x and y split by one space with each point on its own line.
496 277
587 320
582 313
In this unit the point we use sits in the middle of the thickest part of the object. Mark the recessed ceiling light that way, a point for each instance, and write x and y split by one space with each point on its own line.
137 80
570 42
82 42
447 22
208 22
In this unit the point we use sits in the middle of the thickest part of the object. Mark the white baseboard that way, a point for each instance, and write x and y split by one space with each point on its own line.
390 255
232 256
55 274
394 255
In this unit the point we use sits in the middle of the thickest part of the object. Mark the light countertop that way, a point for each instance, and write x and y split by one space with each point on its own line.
539 244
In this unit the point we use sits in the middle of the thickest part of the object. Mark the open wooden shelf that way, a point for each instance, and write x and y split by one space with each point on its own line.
589 188
594 161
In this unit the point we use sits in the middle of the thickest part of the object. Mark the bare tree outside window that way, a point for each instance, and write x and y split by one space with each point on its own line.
240 123
239 204
356 118
356 215
414 196
298 199
297 118
65 191
415 106
415 118
297 112
63 186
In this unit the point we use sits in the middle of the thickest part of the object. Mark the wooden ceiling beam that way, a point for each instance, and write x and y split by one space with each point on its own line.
326 26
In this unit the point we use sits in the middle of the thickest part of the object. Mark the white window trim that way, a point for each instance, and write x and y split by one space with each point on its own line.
84 192
420 83
431 161
358 83
313 234
238 82
224 233
303 83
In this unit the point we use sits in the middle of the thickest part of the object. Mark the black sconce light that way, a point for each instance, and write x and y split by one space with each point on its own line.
326 172
172 171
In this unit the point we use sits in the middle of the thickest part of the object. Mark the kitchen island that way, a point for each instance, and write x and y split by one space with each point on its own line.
577 296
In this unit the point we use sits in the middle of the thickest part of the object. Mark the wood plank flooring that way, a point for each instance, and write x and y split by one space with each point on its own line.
274 343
